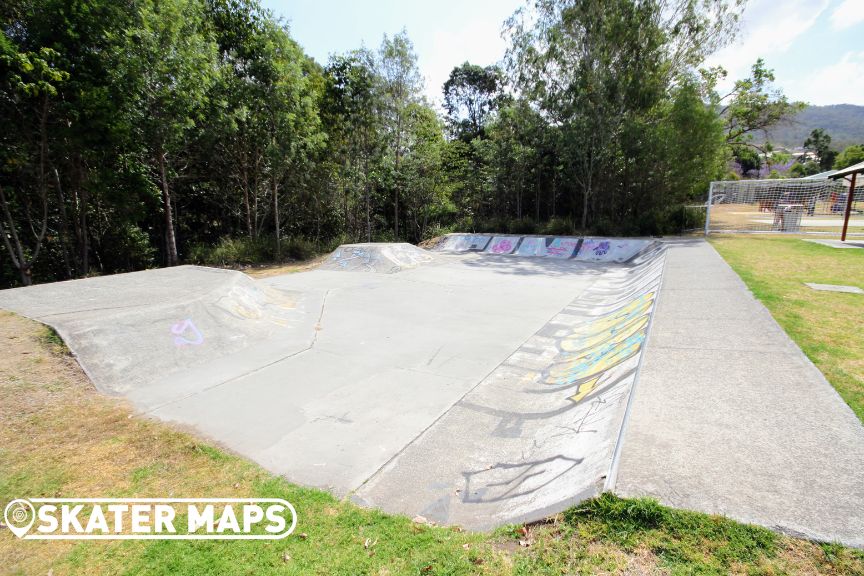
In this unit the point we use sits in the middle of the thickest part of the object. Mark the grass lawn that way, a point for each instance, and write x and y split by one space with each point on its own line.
59 438
826 325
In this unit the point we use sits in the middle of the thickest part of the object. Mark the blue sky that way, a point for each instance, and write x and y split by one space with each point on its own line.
816 47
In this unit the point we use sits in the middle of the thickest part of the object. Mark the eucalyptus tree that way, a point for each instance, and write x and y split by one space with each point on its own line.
472 93
29 82
167 63
352 110
751 106
595 66
402 83
422 172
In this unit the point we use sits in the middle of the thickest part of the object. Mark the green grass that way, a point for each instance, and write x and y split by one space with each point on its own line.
826 325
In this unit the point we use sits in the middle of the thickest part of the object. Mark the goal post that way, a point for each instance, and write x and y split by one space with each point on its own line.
792 205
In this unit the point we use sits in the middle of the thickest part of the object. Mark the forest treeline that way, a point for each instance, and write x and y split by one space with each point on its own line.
140 133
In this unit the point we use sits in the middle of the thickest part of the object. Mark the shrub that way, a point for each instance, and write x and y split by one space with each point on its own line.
558 227
233 251
299 249
522 226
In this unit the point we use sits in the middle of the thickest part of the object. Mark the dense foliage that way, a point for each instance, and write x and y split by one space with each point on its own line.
151 132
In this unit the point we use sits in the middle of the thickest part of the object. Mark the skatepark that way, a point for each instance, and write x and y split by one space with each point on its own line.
486 381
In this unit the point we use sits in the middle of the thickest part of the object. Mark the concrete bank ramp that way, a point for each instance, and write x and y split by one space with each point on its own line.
381 257
471 388
540 432
618 250
130 331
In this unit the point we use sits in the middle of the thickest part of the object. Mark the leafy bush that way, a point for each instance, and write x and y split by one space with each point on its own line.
522 226
299 249
233 251
558 227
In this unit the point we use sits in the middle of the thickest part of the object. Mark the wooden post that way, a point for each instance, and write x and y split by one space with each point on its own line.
848 207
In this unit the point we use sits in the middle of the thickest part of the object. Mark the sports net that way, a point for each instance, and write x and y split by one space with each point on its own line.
789 205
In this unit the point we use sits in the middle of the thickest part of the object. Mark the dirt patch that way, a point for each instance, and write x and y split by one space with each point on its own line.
268 270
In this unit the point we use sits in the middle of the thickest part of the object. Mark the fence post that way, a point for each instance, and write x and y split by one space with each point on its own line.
708 209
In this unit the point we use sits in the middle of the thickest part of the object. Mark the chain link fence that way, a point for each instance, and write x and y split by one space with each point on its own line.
798 206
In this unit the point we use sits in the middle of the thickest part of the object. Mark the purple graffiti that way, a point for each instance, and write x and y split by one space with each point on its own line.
180 328
602 248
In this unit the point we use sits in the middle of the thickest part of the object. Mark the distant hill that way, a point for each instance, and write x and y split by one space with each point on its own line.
843 122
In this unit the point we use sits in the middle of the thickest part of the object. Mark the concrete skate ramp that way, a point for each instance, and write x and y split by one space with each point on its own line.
464 242
584 249
130 331
610 249
477 390
387 258
538 434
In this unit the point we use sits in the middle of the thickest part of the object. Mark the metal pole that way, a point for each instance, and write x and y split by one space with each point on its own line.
848 207
708 208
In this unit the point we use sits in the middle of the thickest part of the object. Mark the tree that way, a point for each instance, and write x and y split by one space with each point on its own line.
596 69
167 64
748 159
800 170
353 114
471 95
819 142
401 87
29 81
752 106
851 155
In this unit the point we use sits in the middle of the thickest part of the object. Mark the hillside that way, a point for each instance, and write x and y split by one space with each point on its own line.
844 122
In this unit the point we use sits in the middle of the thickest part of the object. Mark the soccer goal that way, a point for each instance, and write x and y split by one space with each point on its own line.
798 206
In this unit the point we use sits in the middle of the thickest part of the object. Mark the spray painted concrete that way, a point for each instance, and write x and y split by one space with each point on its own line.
618 250
371 257
539 432
485 368
502 245
131 332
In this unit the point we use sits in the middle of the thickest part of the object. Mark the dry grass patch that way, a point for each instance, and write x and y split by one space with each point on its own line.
266 271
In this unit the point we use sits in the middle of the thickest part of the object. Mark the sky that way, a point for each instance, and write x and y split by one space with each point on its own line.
815 47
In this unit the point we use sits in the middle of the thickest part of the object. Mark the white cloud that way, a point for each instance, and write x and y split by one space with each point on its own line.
848 14
768 31
838 83
480 43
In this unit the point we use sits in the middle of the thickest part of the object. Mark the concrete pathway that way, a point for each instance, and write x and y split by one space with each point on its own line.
730 417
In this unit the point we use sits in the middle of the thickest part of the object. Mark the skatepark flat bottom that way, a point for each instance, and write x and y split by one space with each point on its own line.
474 389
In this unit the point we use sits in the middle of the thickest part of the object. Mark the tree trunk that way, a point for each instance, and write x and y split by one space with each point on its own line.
396 188
368 193
537 198
81 197
246 206
275 189
64 227
586 195
170 239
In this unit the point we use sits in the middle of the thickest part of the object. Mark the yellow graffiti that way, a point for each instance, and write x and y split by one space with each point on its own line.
638 307
596 361
601 344
584 389
578 342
